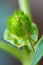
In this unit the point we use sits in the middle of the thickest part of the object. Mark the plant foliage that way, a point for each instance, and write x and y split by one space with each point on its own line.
20 30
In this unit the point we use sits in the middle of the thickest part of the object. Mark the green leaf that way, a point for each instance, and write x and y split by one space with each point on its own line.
19 24
20 30
34 33
39 52
14 40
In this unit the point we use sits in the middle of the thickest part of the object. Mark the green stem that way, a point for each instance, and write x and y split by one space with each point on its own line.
25 58
27 55
23 4
12 50
33 47
26 50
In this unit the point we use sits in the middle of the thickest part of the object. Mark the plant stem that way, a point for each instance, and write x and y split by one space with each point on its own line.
27 55
23 4
33 47
25 58
12 50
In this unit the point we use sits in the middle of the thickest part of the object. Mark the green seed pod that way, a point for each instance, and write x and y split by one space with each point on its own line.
20 30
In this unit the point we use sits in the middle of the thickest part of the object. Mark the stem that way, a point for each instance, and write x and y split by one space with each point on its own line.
23 4
27 60
27 55
12 50
32 47
26 50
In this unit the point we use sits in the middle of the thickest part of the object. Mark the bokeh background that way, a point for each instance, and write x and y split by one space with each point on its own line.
7 8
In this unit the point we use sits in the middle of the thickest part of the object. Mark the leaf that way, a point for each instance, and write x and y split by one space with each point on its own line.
20 30
19 24
39 53
14 40
34 33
